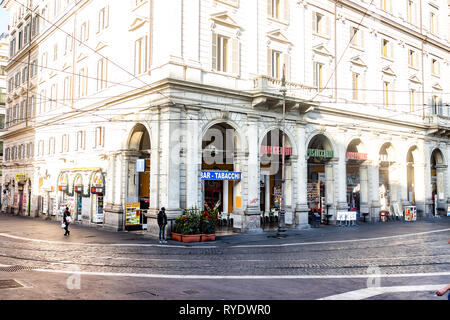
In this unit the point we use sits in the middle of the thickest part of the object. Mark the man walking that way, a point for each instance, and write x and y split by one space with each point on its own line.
162 222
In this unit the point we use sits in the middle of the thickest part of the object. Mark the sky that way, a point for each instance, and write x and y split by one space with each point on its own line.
4 20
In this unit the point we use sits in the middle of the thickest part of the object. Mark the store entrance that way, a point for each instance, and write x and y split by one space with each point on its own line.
214 193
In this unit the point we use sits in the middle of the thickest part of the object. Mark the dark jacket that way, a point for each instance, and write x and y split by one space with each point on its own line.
65 215
162 218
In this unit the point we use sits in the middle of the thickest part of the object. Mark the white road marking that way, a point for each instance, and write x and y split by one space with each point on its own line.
371 292
209 247
243 277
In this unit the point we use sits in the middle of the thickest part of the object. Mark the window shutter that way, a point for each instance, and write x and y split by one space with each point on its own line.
287 64
269 62
269 8
286 10
214 51
235 56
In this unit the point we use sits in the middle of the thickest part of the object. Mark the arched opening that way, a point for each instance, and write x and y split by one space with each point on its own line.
138 188
271 153
410 175
320 178
219 146
356 176
438 194
386 188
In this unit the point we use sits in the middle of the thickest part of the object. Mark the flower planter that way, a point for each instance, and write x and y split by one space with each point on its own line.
176 236
208 237
191 237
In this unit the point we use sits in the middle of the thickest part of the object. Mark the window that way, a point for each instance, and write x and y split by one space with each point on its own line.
225 54
67 93
386 49
33 71
102 74
386 92
103 19
140 55
84 32
412 99
433 23
65 143
7 154
276 64
278 9
20 39
386 5
318 76
12 47
25 74
51 146
35 27
412 60
17 79
16 113
10 84
435 67
412 11
53 96
41 148
42 101
32 107
321 24
356 37
23 109
26 33
99 137
82 82
81 140
68 44
44 60
355 86
436 105
55 52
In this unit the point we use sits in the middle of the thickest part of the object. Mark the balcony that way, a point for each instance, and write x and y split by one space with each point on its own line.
438 125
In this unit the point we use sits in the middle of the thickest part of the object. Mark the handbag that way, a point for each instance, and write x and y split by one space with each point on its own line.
63 225
69 219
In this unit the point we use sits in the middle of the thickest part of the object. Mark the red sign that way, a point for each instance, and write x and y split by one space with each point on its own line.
356 156
276 150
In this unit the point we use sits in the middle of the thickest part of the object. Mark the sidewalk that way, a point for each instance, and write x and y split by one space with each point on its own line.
39 229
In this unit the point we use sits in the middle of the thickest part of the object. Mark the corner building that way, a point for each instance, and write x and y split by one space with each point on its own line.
190 87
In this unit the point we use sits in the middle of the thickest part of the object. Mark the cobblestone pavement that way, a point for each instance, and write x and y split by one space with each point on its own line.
395 248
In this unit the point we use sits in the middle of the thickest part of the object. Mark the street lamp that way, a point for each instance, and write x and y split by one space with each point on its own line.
281 222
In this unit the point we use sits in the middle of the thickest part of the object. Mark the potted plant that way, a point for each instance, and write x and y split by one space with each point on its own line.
209 223
191 226
178 228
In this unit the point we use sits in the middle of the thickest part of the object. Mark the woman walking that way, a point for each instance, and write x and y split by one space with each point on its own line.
66 220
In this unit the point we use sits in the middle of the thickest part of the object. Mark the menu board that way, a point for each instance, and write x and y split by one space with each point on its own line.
313 192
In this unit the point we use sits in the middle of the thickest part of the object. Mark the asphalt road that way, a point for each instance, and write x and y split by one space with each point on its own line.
395 260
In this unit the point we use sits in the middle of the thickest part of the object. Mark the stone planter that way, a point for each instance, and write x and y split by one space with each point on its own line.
191 237
208 237
176 236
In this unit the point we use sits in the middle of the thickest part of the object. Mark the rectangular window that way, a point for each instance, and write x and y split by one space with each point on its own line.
82 82
413 99
318 23
25 75
17 79
222 53
53 96
67 94
103 19
81 140
99 137
411 58
386 92
435 68
276 64
141 55
318 76
102 74
355 86
433 23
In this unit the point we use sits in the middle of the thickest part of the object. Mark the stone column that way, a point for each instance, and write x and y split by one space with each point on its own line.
374 193
193 158
238 196
329 187
301 208
364 191
403 183
267 193
419 188
340 168
448 174
441 171
251 220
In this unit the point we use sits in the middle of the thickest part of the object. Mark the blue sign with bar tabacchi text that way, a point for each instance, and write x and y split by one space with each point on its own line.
221 175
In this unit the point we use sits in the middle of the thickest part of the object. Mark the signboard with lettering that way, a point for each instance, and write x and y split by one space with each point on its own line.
132 216
221 175
318 153
276 150
356 156
21 177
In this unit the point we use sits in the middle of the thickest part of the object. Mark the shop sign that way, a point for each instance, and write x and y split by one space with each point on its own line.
356 156
140 165
79 189
21 177
132 214
276 150
95 190
221 175
318 153
97 181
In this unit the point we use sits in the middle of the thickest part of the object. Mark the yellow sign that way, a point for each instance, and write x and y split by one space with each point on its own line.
132 214
238 202
21 177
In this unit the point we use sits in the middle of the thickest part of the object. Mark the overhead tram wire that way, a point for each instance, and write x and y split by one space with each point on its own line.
81 42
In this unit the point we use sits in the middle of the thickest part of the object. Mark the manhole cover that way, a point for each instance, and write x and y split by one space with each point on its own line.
9 284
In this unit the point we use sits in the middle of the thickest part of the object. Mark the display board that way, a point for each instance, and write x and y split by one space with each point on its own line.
313 192
410 213
132 214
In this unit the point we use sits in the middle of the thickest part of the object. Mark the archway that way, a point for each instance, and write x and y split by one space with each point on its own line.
138 187
356 176
271 153
219 147
387 189
320 177
438 170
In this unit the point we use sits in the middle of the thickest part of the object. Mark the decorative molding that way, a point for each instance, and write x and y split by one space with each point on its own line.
278 36
358 61
137 23
322 50
224 19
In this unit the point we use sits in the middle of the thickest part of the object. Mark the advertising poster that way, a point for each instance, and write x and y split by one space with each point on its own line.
132 217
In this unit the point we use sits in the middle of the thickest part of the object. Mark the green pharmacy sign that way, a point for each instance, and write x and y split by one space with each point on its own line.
318 153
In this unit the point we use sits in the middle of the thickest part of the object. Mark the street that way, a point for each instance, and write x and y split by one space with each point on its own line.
393 260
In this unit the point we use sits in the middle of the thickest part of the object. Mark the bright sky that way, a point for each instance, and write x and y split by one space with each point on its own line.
4 20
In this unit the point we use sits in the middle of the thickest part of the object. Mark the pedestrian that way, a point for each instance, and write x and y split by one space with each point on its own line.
66 219
162 222
443 290
5 201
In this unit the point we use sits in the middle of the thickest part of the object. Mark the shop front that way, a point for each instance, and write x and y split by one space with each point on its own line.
320 179
96 200
356 177
387 187
438 192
